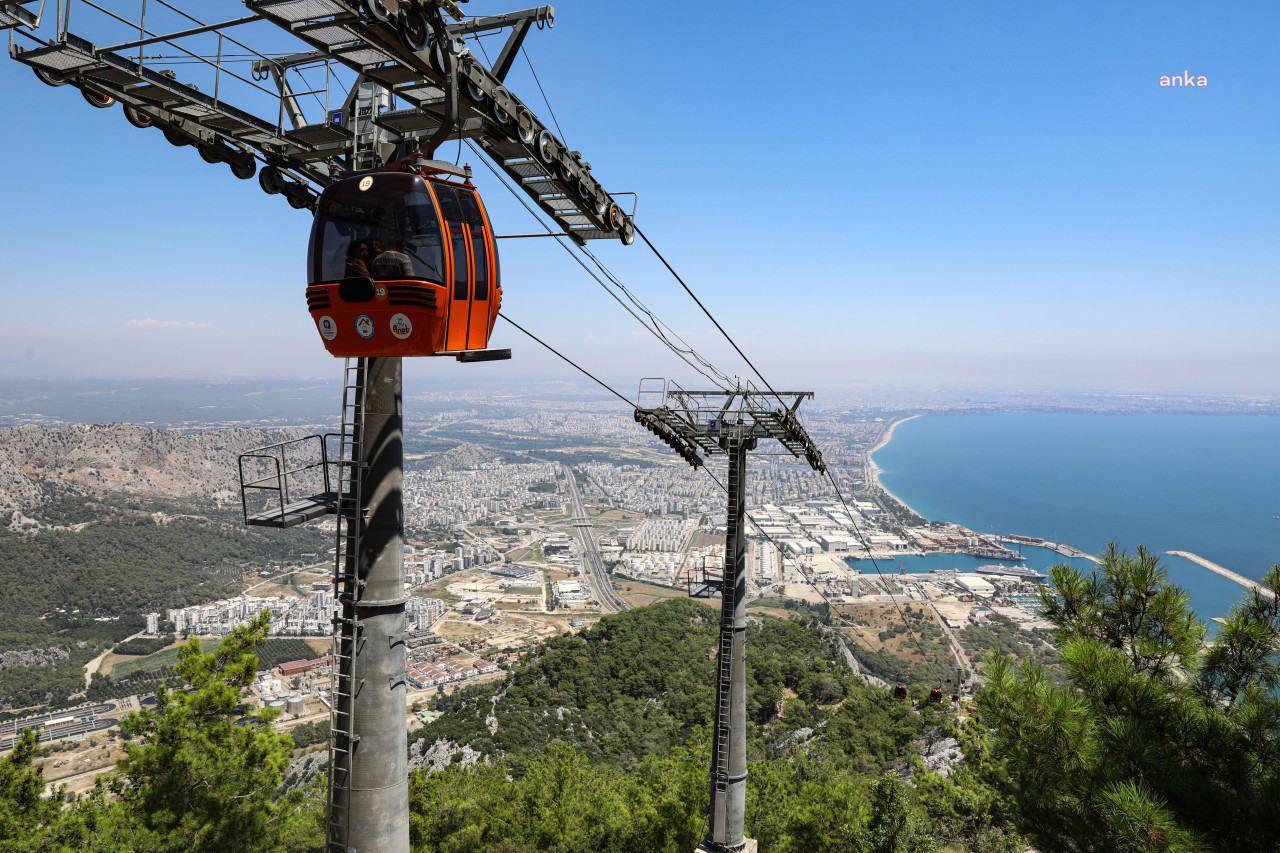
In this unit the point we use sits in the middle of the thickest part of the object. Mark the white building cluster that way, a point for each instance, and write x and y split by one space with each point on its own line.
821 526
660 534
443 498
290 617
570 593
423 613
660 490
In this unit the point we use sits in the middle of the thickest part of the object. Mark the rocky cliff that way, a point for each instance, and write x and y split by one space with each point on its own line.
37 463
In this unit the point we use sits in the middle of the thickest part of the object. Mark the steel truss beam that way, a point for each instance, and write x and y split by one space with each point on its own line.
341 34
702 419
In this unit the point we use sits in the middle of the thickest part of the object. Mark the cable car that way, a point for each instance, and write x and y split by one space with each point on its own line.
402 261
935 695
900 692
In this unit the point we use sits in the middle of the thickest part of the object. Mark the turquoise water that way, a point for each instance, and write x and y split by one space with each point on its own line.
1200 483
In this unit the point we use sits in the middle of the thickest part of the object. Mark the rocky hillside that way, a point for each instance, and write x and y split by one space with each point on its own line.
461 458
36 463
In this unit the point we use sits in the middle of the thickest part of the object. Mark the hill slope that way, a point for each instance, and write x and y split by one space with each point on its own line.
642 680
600 741
38 464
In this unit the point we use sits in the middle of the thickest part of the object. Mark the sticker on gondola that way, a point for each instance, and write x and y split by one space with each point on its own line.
366 182
328 328
364 326
401 326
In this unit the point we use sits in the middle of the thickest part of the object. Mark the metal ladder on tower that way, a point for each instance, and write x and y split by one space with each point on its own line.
724 664
347 589
725 667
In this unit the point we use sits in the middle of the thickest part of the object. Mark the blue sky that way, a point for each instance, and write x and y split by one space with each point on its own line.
993 193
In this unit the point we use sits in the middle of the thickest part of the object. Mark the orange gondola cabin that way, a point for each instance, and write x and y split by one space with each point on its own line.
402 261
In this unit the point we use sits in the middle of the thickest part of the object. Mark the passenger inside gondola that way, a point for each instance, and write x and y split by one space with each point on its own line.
395 217
393 264
358 256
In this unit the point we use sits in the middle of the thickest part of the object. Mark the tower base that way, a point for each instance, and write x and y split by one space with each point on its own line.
748 846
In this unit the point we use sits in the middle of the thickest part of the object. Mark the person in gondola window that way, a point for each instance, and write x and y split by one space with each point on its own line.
393 264
357 259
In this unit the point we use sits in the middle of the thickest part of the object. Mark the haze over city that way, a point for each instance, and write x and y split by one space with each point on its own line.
991 195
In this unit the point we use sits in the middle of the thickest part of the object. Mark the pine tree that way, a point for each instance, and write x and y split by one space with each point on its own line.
197 775
1161 741
24 808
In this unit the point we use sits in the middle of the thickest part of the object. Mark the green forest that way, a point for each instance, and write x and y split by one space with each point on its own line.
119 566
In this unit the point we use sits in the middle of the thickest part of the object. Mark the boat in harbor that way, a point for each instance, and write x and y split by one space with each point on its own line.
1017 572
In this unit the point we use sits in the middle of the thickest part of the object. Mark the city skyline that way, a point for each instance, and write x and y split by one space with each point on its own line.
1004 196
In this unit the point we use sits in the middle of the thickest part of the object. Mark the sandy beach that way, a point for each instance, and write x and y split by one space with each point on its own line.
873 470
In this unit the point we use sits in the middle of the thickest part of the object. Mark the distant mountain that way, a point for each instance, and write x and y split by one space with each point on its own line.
38 463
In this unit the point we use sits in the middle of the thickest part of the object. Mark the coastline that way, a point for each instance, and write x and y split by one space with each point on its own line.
873 470
873 476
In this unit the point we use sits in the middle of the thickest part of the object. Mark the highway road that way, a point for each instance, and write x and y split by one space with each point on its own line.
78 727
596 575
35 722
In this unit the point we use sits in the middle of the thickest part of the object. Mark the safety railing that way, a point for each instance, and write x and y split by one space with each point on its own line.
310 478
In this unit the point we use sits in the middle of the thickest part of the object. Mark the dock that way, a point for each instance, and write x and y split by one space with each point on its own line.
1226 573
1056 547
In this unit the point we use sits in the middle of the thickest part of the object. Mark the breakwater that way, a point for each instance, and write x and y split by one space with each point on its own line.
1225 572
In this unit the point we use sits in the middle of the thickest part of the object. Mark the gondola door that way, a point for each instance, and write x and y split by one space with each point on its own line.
470 288
460 282
482 276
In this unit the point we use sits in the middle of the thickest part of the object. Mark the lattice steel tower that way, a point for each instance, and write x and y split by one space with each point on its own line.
732 423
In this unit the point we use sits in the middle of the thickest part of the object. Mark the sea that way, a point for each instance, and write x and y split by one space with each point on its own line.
1207 484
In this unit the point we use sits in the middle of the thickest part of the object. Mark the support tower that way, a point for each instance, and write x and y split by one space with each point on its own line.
731 423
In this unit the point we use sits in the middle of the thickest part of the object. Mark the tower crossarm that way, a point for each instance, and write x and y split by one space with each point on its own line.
431 88
706 419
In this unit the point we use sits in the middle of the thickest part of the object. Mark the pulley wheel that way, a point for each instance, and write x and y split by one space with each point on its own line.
565 175
174 137
501 107
548 147
613 216
627 233
298 197
242 165
97 99
210 153
382 11
271 181
474 92
415 30
525 127
436 57
49 78
586 188
137 117
601 202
